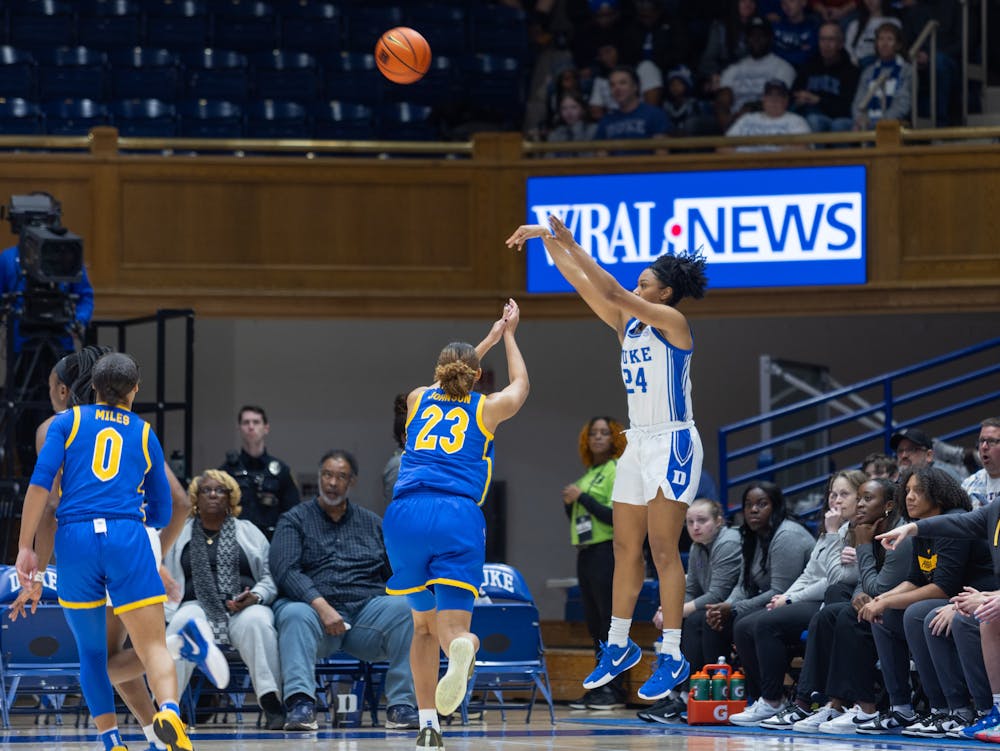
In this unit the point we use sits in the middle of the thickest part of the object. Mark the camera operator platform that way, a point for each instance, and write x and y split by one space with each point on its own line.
47 300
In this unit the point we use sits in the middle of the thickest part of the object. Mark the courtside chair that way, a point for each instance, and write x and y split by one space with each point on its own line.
333 675
41 24
145 73
109 24
17 73
511 655
311 27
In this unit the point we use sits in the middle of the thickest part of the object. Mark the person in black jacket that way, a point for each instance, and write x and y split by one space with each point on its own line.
825 86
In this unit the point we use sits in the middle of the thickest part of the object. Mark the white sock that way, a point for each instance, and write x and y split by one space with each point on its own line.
996 700
429 719
671 643
618 633
151 737
906 709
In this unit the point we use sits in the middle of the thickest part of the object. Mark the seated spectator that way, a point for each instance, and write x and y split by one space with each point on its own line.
835 630
714 565
939 569
602 25
884 87
770 10
825 86
686 114
775 552
634 118
761 638
983 487
550 56
914 449
746 78
330 565
795 33
654 36
574 123
774 120
220 564
915 15
859 37
880 465
608 59
835 11
391 469
727 42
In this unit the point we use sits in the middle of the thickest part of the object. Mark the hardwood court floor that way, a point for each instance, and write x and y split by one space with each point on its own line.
583 731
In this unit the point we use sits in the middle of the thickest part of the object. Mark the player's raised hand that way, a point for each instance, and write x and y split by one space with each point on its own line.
512 314
560 230
524 233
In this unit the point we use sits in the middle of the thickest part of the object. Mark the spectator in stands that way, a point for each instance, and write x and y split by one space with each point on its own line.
574 123
713 569
220 564
835 11
825 86
983 487
774 120
551 57
914 449
330 565
860 34
265 481
795 33
747 77
391 469
603 101
686 113
634 118
761 638
835 630
588 506
654 36
880 465
770 10
775 552
884 87
727 42
915 15
939 569
603 25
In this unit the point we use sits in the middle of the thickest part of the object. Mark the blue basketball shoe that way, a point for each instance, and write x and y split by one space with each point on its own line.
668 672
199 647
614 661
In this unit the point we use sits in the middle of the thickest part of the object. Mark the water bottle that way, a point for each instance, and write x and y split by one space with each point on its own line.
699 688
737 687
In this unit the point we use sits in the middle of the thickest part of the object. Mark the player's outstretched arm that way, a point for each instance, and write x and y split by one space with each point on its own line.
493 337
505 404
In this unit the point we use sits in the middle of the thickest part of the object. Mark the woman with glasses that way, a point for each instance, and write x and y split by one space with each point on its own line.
587 503
221 565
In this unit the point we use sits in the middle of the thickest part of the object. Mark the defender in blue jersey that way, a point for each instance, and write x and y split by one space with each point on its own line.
112 481
434 531
657 476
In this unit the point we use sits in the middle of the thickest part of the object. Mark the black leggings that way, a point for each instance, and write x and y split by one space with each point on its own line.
762 637
702 644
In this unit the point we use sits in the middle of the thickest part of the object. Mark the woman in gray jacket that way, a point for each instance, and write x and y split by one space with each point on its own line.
220 563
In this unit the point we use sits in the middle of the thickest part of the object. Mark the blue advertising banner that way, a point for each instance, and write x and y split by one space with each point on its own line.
756 228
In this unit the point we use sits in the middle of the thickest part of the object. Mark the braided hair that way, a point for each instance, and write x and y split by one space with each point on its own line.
683 273
75 372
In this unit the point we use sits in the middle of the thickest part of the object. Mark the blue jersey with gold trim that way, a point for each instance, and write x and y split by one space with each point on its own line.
112 463
448 449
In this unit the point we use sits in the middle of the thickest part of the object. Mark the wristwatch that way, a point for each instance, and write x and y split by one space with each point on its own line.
788 600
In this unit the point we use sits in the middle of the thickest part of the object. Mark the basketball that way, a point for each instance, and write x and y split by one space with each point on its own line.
402 55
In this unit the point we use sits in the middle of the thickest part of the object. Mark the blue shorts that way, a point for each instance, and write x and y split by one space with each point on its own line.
434 540
91 565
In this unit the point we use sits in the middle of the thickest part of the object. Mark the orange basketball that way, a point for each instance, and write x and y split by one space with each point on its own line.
402 55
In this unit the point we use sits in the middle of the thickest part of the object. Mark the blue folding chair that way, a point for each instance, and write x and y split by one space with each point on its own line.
406 121
348 121
311 27
73 117
210 119
144 73
17 73
333 675
20 117
271 119
511 654
144 118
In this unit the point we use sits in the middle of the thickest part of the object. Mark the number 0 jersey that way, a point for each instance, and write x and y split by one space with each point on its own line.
111 462
657 377
448 449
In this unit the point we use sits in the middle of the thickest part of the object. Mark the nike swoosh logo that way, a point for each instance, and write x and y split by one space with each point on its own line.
192 645
675 673
619 661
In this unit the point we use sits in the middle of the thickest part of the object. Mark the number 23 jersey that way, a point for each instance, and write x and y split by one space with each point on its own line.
657 377
448 450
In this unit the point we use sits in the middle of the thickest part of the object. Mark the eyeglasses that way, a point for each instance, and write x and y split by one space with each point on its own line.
223 492
989 442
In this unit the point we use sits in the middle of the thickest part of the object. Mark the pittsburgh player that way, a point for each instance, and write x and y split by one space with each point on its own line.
111 463
658 473
434 531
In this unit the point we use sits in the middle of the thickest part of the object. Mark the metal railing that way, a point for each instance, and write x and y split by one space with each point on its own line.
971 71
851 424
929 30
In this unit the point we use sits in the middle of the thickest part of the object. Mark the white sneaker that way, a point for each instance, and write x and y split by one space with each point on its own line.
811 723
756 713
844 723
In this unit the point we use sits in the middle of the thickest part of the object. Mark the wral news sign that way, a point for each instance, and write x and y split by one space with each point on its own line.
756 228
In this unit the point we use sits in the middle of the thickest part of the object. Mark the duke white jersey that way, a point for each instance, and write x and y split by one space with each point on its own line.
657 377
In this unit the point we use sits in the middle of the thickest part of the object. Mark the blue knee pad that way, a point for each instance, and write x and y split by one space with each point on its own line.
90 631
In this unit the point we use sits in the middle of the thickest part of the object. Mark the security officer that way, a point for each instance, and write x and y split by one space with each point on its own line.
266 483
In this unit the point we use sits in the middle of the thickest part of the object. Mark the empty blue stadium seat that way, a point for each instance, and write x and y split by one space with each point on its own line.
244 25
109 24
20 117
144 73
335 120
216 74
499 30
73 117
312 27
367 22
73 72
439 85
444 27
144 118
210 119
494 84
36 24
17 73
269 119
286 75
176 25
353 77
404 121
